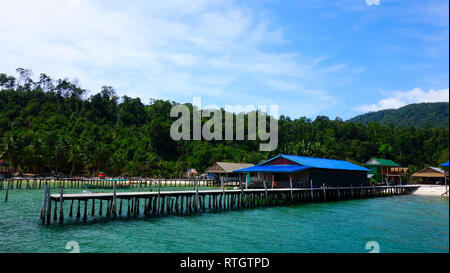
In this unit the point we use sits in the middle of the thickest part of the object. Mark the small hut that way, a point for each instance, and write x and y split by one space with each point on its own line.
225 169
429 175
385 171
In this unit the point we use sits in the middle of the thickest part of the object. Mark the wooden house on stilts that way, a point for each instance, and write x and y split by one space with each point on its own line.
386 171
284 171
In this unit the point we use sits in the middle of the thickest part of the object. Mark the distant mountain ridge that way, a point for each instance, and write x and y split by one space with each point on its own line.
417 115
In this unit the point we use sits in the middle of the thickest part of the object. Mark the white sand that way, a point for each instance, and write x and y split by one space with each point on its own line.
433 190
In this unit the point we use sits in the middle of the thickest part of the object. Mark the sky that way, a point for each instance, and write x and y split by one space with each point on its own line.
309 57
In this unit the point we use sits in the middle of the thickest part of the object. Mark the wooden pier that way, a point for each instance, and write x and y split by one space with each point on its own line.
55 207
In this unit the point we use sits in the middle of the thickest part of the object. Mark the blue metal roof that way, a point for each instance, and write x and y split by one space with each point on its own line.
444 164
273 169
321 163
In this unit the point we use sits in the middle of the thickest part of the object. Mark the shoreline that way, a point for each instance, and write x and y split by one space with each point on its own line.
431 190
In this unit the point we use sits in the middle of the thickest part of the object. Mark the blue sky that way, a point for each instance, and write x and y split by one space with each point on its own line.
334 58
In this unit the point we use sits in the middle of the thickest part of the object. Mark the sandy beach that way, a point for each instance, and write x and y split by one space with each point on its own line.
432 190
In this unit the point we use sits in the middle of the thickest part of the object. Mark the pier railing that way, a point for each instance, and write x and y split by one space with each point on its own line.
160 203
75 183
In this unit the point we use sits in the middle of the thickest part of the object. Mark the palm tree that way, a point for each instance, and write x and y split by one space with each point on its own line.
59 152
76 157
11 150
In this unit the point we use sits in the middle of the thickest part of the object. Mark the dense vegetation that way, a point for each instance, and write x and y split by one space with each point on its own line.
417 115
51 125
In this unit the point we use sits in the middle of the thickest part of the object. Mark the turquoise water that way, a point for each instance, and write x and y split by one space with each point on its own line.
398 224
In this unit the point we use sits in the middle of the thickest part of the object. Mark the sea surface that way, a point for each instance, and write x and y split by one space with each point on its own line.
407 223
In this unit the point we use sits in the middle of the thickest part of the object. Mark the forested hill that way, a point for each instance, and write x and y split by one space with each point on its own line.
417 115
53 125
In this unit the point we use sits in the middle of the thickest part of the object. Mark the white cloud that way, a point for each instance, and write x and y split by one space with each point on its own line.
401 98
73 3
162 49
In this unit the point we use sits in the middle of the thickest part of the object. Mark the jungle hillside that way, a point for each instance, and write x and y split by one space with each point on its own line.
417 114
54 126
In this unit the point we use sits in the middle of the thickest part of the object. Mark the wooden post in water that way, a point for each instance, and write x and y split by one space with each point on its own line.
78 209
159 197
209 202
203 202
182 204
7 191
93 208
71 208
312 195
128 208
196 195
163 205
114 199
290 182
44 204
222 199
137 206
265 191
120 207
241 197
100 209
61 200
49 205
324 192
85 211
54 211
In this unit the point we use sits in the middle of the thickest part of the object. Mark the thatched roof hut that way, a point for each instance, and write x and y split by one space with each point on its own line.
226 167
429 175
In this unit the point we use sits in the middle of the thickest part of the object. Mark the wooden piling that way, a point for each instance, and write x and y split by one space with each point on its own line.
61 210
324 192
49 206
196 196
128 208
71 207
85 211
7 191
290 184
44 204
108 208
79 209
93 208
54 212
120 207
162 205
114 198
